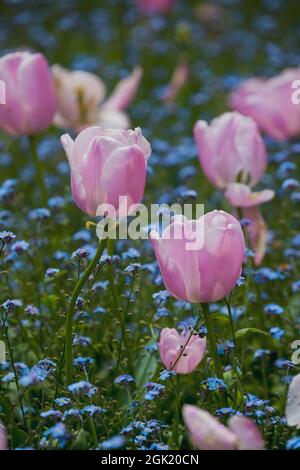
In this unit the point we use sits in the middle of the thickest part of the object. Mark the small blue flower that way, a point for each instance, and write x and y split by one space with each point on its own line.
296 287
39 214
62 401
213 384
32 310
58 433
10 305
92 410
20 247
7 237
284 364
154 390
273 309
80 387
83 362
261 353
113 443
166 374
53 414
293 443
51 273
276 332
124 379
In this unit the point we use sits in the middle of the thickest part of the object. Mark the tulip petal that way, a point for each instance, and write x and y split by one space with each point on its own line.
248 433
293 403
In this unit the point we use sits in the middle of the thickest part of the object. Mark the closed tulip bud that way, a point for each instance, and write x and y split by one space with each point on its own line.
200 260
230 149
171 346
106 166
30 94
207 433
273 103
155 6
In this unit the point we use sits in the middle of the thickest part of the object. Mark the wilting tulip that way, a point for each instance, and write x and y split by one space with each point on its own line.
200 260
207 433
269 102
230 149
293 403
106 166
3 443
155 6
81 97
30 94
241 196
171 344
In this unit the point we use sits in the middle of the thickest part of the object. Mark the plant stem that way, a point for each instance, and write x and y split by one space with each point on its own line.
39 169
212 340
227 302
111 274
14 369
70 313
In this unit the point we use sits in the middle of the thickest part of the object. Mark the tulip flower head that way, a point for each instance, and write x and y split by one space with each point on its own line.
81 99
171 346
155 6
106 166
230 149
270 103
200 269
207 433
30 94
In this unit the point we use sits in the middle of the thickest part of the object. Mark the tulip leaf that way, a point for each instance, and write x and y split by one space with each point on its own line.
245 331
220 317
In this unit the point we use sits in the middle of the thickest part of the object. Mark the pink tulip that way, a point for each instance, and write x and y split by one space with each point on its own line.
106 165
269 102
30 94
81 97
293 402
155 6
179 79
207 433
3 442
200 270
231 149
240 195
171 344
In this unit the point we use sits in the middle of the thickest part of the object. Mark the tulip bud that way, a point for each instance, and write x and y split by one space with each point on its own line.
200 269
107 165
230 150
171 344
30 94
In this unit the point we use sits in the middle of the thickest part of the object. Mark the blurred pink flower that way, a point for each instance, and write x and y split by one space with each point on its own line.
240 196
107 164
293 403
155 6
269 102
207 433
178 81
81 97
30 94
3 442
170 347
230 149
200 260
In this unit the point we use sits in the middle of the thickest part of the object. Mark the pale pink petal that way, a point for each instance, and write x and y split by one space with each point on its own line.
293 403
247 432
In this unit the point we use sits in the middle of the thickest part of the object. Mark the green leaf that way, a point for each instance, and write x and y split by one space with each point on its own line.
245 331
220 317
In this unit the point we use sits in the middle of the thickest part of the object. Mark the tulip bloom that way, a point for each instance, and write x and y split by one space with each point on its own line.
240 195
106 165
81 97
155 6
293 403
3 443
269 102
230 149
170 347
207 433
199 268
30 94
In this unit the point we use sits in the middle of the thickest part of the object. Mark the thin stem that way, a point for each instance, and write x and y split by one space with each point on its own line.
14 369
39 169
212 340
111 274
227 302
70 313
